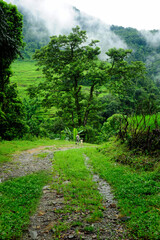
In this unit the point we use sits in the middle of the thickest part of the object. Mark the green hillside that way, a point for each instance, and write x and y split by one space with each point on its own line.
24 74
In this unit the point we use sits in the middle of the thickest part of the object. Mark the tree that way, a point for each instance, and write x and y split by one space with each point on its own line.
66 61
125 78
11 40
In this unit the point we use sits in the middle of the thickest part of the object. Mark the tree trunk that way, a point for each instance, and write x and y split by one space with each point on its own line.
88 105
76 95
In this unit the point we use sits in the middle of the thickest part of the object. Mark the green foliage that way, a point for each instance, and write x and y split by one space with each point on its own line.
111 127
65 61
34 117
10 40
134 40
66 134
12 122
124 78
141 132
110 105
11 109
18 199
142 50
74 134
10 35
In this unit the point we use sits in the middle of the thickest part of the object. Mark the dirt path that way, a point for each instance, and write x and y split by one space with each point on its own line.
28 162
42 222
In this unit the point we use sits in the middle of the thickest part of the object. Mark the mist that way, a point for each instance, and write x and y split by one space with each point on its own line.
59 17
152 37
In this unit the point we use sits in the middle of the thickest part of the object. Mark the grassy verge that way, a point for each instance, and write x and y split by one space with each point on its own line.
83 203
18 199
7 148
137 191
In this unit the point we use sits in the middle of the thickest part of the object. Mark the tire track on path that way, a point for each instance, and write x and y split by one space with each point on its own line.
42 222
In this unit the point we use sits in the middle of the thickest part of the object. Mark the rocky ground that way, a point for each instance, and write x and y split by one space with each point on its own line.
43 221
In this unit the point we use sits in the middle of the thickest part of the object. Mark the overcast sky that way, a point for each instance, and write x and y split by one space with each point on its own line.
140 14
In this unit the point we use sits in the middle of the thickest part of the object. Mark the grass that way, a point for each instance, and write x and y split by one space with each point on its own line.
7 148
18 200
137 191
80 193
25 74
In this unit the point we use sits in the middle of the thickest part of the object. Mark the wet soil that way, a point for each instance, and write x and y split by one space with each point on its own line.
42 223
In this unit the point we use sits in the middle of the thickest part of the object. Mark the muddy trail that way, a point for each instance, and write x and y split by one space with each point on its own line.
42 223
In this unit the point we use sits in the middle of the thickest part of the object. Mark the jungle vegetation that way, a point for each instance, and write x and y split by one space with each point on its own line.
78 89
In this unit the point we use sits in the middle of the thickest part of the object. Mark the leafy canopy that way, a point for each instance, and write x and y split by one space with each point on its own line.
66 61
11 40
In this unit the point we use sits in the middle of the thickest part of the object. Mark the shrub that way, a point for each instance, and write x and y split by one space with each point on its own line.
141 132
111 126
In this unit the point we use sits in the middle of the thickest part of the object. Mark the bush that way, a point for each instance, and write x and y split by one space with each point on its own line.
141 132
111 127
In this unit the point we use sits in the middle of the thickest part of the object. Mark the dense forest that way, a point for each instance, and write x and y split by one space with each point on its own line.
98 96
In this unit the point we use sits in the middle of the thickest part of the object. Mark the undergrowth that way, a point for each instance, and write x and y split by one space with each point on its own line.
134 158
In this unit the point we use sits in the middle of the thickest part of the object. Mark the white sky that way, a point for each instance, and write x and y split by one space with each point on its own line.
140 14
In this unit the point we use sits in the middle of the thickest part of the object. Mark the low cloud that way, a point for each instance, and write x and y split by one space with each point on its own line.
57 15
97 30
152 37
60 17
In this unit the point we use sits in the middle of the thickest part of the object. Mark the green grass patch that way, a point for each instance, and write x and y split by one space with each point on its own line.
76 185
138 192
25 74
7 148
41 155
18 199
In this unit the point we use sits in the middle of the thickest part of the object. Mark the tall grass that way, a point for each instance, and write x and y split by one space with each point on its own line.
141 122
141 132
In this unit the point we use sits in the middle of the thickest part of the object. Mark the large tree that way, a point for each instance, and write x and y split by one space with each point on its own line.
66 61
11 41
128 80
11 38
